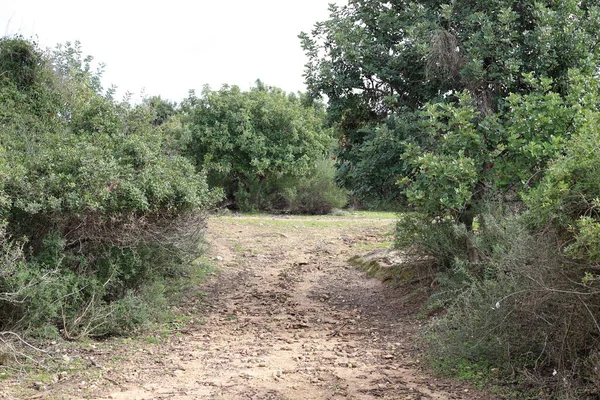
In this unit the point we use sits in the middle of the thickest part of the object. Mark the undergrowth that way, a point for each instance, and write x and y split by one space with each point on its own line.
513 313
314 193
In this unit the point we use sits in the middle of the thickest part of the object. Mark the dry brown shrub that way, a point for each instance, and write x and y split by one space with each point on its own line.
445 59
85 233
534 315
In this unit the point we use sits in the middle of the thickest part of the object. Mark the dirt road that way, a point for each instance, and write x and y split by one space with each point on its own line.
286 318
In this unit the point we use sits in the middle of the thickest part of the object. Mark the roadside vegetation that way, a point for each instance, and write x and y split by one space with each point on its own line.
97 213
103 202
480 121
268 150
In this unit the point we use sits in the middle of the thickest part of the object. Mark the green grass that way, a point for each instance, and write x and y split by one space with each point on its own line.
154 339
484 377
373 246
347 214
354 218
373 214
238 248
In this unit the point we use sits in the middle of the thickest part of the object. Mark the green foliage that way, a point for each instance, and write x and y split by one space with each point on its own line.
162 109
504 99
317 193
94 208
441 240
22 65
371 58
513 301
371 166
445 177
586 245
568 196
313 193
522 310
464 155
252 143
493 79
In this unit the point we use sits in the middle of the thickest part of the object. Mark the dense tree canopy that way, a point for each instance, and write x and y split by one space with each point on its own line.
240 137
374 57
470 72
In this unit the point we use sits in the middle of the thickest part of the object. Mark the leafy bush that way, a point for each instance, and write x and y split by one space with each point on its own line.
526 314
256 145
568 198
314 193
94 208
505 108
441 239
271 194
317 192
371 165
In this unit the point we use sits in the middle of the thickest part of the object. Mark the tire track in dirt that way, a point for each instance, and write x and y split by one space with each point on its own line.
288 318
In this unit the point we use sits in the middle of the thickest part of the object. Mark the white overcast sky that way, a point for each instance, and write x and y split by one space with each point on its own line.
168 47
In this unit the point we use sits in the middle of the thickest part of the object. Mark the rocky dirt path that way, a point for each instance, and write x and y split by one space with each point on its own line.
286 318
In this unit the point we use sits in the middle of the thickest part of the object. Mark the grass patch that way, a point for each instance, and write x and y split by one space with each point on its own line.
154 339
373 215
373 246
238 248
354 218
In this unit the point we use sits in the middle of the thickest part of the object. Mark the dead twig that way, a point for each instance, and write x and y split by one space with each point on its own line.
6 333
337 331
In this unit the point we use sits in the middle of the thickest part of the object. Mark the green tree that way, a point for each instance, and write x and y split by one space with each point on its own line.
373 168
506 97
471 71
375 57
243 139
162 109
568 196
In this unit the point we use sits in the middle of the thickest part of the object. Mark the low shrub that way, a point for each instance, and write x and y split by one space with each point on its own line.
317 192
112 291
440 239
313 193
98 211
527 316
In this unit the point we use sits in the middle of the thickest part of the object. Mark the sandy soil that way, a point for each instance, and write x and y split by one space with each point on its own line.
286 317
